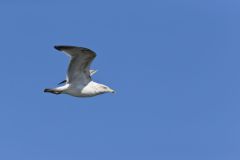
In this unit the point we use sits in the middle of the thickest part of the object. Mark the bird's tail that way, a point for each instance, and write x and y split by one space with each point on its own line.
52 91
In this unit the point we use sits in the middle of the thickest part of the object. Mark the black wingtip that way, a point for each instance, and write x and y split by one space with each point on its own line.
62 47
64 81
58 48
66 47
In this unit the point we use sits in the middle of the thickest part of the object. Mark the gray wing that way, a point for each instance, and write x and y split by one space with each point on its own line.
92 72
78 69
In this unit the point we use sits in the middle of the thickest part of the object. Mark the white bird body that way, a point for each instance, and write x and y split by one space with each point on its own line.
79 82
89 90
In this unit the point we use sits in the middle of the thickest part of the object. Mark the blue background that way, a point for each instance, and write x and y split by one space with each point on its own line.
174 64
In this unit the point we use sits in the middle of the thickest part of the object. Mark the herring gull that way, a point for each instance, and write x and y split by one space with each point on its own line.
79 82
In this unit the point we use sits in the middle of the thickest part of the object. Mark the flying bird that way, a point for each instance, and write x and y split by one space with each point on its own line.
79 82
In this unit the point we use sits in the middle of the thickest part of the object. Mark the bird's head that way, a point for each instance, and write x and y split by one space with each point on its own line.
106 89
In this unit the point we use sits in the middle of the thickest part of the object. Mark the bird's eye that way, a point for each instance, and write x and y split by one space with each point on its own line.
104 87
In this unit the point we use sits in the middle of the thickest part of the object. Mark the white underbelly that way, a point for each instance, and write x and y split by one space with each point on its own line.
81 91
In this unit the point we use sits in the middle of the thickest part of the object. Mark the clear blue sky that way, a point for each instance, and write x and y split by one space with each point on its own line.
174 64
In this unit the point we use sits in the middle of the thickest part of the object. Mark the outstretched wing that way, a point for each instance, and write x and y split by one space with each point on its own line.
92 72
78 69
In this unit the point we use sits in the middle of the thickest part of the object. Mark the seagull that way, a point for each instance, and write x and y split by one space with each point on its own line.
79 82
